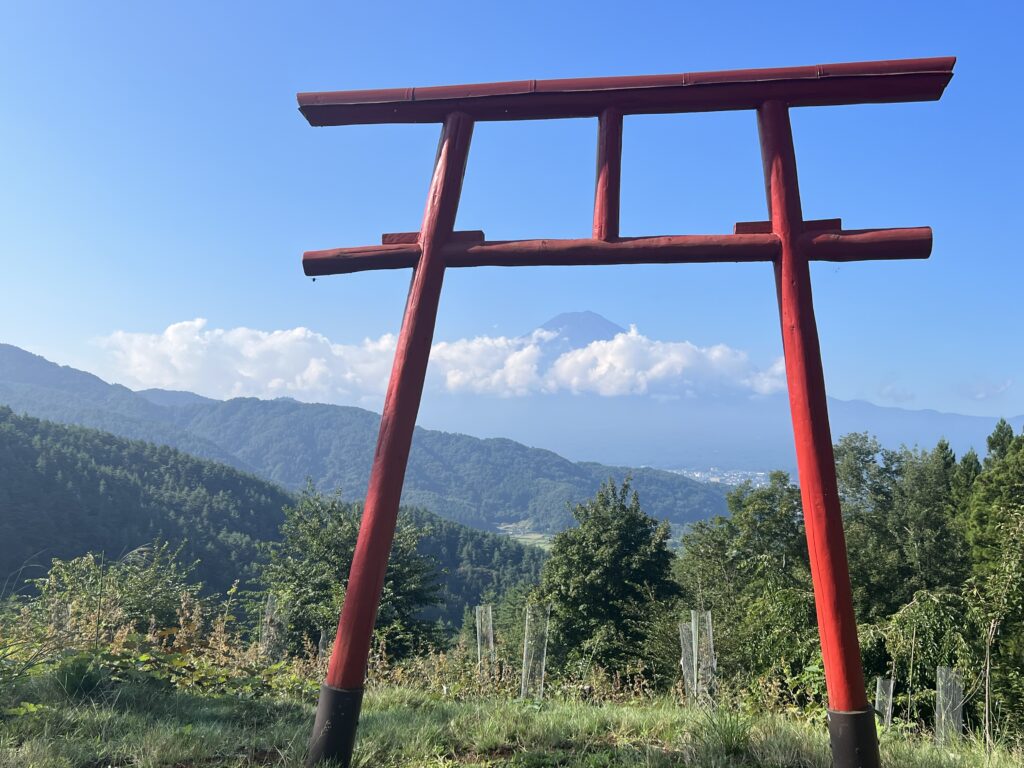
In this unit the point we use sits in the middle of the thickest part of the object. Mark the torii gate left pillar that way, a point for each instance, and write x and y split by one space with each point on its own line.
341 695
786 240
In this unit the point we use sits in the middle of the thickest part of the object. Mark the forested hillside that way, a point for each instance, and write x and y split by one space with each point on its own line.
65 491
481 483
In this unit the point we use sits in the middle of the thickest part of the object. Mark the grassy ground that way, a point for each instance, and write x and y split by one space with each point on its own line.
146 727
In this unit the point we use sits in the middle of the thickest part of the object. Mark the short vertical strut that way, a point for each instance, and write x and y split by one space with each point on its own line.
341 695
609 175
851 720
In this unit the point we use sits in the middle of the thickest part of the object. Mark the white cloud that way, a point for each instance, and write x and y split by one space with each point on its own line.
894 393
306 365
243 362
770 380
633 364
986 389
497 365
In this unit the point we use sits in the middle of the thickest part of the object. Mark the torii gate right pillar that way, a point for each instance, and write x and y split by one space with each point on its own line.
851 720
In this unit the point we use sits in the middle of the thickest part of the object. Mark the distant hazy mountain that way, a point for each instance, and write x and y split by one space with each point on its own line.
487 484
32 384
578 329
172 397
731 430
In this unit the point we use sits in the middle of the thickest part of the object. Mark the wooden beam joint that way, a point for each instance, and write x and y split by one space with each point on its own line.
409 238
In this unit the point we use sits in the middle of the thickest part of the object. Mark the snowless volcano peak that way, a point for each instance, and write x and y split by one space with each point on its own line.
578 329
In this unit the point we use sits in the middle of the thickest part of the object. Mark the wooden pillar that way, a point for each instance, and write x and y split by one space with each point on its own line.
341 694
851 721
609 175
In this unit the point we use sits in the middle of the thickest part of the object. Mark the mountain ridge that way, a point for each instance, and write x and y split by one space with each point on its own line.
479 468
485 483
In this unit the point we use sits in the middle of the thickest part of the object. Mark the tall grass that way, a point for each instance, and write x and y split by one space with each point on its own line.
147 726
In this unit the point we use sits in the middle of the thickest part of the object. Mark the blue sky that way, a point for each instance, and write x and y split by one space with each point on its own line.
155 170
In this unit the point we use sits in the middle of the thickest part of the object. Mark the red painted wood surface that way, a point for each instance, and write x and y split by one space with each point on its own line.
347 665
765 227
837 626
413 238
607 188
824 84
853 245
868 244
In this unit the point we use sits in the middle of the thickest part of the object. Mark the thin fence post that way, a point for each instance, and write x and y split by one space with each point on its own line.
544 652
949 702
526 655
484 635
695 639
883 699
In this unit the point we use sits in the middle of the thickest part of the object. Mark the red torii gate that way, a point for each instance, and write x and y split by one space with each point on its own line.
785 240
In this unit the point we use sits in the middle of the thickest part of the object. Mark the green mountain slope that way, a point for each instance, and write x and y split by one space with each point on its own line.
482 483
65 491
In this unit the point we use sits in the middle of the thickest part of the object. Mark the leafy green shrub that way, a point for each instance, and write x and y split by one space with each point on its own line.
80 674
88 599
308 573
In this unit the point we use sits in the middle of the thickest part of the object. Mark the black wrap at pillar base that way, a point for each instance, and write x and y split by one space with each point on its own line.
854 739
334 732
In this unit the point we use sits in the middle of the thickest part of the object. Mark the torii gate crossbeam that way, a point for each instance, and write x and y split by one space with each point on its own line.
785 240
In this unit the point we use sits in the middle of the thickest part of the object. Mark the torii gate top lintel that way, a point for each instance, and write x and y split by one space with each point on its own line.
786 240
812 86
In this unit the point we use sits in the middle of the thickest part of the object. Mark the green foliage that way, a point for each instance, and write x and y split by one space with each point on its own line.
105 625
936 551
995 531
65 491
999 442
997 608
203 692
79 674
308 573
474 566
480 483
902 528
998 489
966 472
936 563
750 570
932 630
605 577
404 727
143 590
509 614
